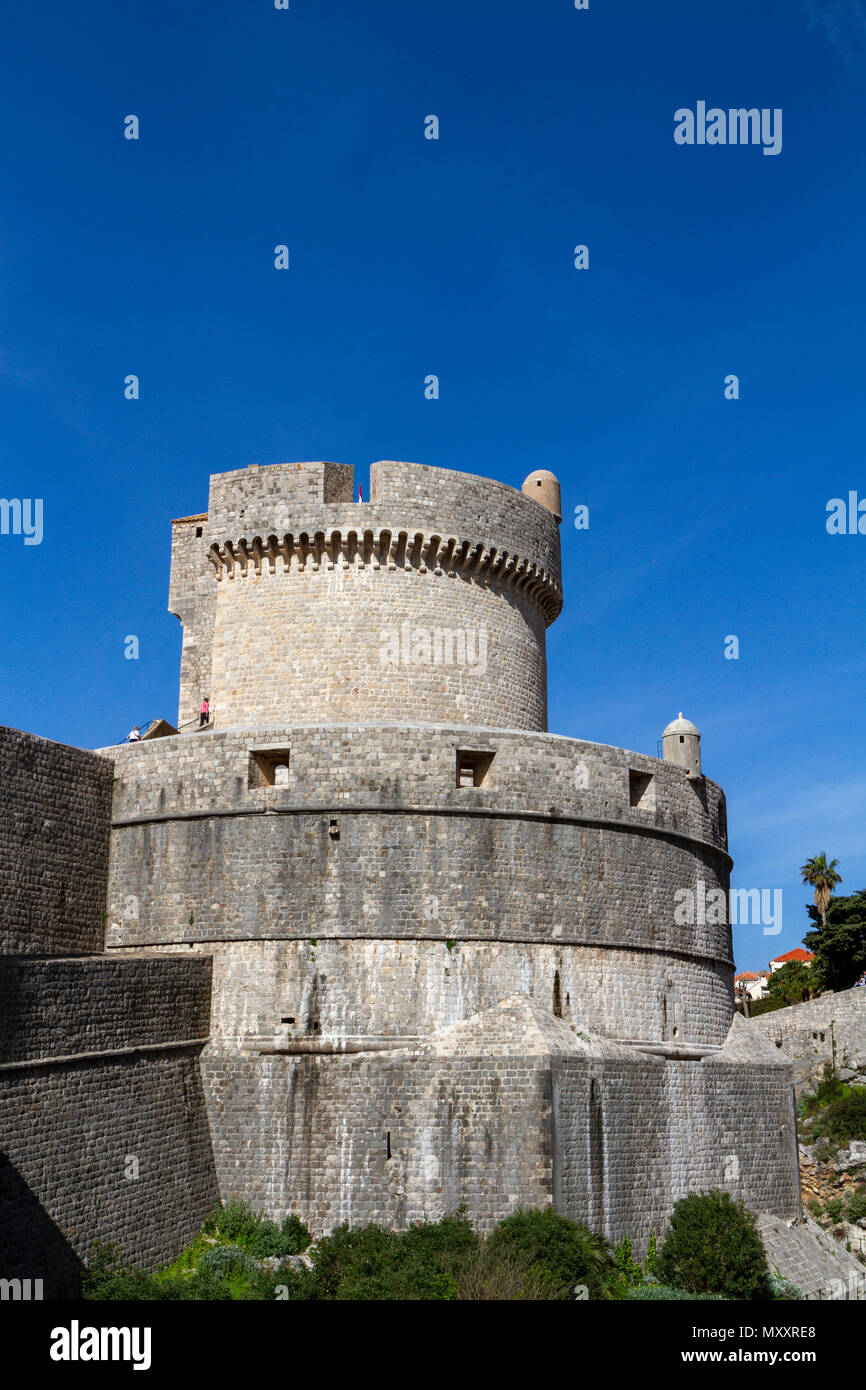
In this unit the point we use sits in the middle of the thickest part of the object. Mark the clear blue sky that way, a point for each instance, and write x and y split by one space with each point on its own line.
409 257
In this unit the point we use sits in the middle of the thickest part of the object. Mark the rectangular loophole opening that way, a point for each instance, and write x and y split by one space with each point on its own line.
269 768
641 790
473 765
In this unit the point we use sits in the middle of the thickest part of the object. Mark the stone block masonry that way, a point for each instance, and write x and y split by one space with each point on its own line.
53 846
103 1126
305 587
809 1032
115 1149
510 1107
446 965
92 1005
544 878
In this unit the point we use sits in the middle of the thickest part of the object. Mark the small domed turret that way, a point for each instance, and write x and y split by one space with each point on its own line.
681 744
544 487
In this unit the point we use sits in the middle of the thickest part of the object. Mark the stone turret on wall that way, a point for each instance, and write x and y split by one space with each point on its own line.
681 744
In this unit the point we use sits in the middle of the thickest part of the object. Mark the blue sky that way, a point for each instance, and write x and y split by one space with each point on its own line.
454 257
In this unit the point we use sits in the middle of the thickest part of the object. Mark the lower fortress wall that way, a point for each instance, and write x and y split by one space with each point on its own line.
371 894
53 846
103 1125
613 1139
809 1030
362 1076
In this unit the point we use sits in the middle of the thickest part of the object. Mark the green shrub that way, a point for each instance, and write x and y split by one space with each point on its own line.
238 1223
843 1118
223 1260
856 1209
824 1152
783 1290
833 1209
106 1278
651 1262
353 1259
814 1207
560 1252
235 1221
371 1263
296 1237
630 1270
666 1293
288 1284
530 1256
713 1246
491 1276
266 1239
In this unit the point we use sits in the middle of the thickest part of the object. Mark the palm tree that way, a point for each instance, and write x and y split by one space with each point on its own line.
823 878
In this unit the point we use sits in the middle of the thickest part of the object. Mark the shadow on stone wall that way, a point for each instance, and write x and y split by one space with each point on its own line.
31 1245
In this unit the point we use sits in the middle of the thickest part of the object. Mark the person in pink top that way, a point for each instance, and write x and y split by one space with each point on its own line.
204 712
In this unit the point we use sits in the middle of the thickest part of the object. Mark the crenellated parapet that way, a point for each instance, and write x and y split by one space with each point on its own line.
440 556
286 588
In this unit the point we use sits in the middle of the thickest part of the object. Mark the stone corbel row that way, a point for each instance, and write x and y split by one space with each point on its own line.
389 550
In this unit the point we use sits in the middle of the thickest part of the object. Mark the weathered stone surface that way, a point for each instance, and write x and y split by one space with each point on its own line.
53 846
447 968
307 585
804 1253
809 1032
103 1128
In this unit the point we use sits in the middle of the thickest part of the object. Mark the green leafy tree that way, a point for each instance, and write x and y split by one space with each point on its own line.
713 1246
838 942
792 984
823 878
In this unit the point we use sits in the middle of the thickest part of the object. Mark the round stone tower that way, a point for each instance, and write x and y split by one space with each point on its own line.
376 839
428 603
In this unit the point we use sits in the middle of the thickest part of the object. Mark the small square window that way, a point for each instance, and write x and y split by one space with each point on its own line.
473 766
269 768
641 790
198 531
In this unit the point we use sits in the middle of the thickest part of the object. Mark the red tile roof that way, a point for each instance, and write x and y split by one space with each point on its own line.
797 954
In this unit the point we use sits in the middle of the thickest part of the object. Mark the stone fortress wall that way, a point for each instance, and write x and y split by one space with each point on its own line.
510 1107
809 1033
55 834
431 988
445 963
545 876
99 1058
